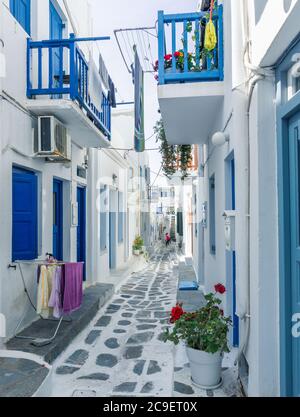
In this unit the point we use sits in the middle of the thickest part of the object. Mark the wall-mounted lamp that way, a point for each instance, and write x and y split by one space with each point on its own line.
220 138
114 178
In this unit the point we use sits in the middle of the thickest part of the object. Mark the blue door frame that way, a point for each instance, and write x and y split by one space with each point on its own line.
287 140
24 215
81 228
56 32
58 219
231 255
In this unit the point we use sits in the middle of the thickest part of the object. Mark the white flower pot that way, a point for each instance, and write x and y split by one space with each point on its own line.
206 368
136 252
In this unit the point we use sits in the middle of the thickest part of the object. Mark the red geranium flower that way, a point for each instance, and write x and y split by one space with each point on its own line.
168 57
177 54
220 288
176 313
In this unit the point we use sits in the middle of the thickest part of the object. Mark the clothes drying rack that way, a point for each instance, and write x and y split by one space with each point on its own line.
36 341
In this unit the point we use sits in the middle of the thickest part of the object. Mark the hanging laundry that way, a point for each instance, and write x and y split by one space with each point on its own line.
44 290
95 84
210 41
103 72
55 300
72 287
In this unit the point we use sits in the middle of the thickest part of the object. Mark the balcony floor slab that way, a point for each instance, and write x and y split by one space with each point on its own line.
82 130
190 110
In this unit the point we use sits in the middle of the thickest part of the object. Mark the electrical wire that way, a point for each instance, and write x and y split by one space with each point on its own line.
157 175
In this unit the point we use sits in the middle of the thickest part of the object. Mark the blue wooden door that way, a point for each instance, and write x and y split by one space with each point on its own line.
24 215
56 32
294 156
81 227
58 220
235 317
21 10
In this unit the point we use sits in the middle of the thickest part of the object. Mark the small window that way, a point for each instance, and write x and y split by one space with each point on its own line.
20 9
121 218
103 219
212 215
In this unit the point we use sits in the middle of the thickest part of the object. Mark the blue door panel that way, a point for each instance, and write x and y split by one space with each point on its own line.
21 10
235 317
81 227
294 152
56 32
58 220
24 215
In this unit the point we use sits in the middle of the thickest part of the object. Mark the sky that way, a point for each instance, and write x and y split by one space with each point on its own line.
109 15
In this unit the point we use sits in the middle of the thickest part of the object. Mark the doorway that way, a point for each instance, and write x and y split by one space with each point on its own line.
81 228
231 255
58 219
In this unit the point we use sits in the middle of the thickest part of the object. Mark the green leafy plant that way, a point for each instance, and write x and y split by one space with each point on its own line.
204 330
138 243
174 158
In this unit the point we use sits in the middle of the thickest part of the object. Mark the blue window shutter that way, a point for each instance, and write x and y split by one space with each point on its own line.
24 215
121 219
103 218
21 10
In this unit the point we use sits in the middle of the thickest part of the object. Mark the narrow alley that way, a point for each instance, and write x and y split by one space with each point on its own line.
122 353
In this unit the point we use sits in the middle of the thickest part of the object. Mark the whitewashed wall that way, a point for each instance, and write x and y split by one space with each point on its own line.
270 33
17 148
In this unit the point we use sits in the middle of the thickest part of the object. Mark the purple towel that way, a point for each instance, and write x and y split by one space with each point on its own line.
72 287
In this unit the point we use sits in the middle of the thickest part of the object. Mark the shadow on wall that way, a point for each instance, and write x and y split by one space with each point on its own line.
260 6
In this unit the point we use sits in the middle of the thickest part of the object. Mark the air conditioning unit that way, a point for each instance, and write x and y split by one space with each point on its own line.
53 140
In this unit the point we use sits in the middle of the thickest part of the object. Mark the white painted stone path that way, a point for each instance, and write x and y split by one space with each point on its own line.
121 354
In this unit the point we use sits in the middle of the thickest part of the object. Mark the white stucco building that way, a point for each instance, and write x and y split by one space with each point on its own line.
247 195
77 208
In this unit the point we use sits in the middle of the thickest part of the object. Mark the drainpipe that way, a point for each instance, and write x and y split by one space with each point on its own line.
247 316
258 75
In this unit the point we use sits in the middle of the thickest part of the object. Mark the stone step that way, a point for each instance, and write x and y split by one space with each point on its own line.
93 299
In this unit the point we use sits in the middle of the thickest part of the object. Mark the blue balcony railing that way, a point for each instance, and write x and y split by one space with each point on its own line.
184 33
58 68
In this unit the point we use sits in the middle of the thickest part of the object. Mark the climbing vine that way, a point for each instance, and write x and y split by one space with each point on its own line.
174 158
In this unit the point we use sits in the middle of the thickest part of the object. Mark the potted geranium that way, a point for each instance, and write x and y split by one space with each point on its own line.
137 245
179 62
204 334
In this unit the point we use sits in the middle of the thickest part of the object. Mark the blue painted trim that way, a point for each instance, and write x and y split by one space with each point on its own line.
81 228
58 228
78 87
161 47
16 11
285 110
208 74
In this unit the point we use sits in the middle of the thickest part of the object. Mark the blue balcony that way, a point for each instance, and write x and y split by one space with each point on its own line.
185 33
190 77
58 74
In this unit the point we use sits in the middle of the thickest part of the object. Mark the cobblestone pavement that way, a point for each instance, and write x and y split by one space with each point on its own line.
121 352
